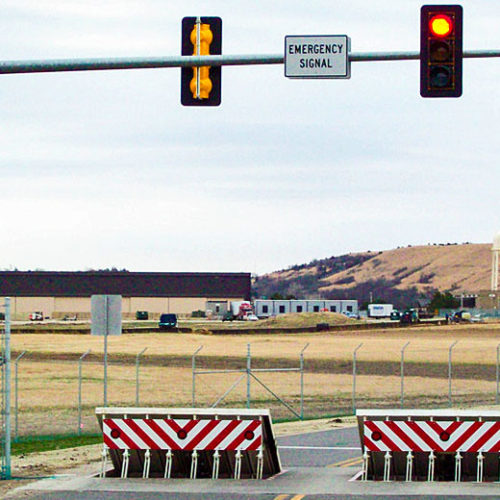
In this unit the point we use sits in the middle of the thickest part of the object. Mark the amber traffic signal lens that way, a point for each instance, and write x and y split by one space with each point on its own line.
440 51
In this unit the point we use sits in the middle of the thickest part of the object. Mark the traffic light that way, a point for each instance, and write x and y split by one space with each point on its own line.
441 51
201 86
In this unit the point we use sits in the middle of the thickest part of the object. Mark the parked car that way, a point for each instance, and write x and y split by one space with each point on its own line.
477 318
228 316
141 315
36 316
409 317
395 315
167 321
461 317
251 317
351 315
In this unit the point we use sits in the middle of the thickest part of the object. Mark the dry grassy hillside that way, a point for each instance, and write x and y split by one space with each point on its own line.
457 267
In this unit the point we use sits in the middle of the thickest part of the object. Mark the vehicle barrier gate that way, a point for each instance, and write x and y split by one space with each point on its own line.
188 443
427 445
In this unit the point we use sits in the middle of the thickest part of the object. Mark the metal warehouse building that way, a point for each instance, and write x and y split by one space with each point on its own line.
57 294
266 308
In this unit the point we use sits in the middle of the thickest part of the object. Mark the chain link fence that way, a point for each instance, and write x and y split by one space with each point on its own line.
59 397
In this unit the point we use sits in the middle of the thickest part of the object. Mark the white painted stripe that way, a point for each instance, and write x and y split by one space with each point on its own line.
140 444
491 442
168 430
413 436
464 427
160 443
233 435
394 438
221 425
118 442
319 447
379 444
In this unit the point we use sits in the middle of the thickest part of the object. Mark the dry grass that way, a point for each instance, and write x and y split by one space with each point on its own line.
48 390
477 344
468 266
305 320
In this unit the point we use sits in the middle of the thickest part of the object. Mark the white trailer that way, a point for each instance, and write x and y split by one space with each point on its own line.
380 310
265 308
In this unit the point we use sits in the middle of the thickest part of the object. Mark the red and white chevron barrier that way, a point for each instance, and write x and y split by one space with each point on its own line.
434 436
429 435
133 436
182 434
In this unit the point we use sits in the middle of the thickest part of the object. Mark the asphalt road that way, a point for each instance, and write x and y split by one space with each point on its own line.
334 448
316 466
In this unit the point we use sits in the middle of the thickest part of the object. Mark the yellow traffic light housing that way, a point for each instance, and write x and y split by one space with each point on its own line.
201 36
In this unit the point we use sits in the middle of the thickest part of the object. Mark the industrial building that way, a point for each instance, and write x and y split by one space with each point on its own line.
59 294
266 308
490 299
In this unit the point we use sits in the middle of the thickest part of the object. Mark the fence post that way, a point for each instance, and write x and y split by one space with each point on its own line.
193 368
449 372
16 397
80 391
354 378
403 373
7 471
302 381
137 358
105 361
249 371
498 373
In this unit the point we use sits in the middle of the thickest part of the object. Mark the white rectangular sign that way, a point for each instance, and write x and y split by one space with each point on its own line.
317 56
106 313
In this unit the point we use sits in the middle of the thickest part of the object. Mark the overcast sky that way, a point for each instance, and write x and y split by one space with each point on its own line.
102 169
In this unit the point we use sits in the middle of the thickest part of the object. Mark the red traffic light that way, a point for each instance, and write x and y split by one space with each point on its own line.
441 25
441 50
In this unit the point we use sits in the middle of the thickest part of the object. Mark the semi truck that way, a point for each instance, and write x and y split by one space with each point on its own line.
380 310
239 310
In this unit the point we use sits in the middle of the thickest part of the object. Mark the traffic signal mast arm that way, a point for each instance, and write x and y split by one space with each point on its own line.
96 64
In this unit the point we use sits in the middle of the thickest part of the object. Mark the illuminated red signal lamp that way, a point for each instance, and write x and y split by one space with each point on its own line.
441 25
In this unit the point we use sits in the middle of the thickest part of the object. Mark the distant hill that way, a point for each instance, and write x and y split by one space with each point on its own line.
400 276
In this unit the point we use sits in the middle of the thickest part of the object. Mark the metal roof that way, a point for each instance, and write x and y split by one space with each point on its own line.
128 284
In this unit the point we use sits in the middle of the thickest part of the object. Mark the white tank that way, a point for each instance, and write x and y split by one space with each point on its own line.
496 242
